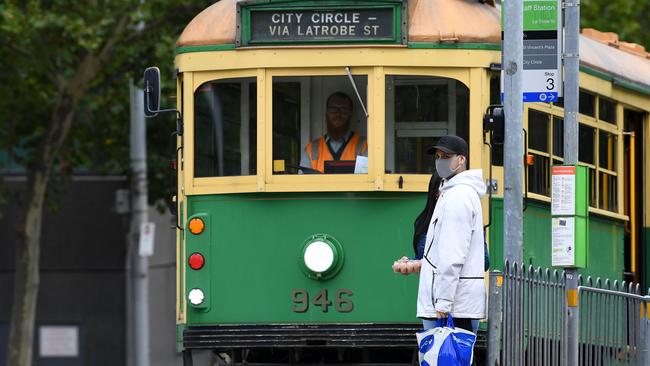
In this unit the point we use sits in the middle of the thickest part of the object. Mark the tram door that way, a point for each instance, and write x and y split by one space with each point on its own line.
633 198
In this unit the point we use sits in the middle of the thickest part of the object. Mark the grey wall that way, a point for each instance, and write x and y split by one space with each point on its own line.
83 275
162 292
82 269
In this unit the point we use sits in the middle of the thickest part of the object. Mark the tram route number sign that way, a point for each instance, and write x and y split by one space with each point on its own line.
260 24
542 63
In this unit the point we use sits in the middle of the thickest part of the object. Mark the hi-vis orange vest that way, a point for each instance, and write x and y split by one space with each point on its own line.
319 152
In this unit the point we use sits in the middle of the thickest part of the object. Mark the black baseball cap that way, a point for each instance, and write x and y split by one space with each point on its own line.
450 144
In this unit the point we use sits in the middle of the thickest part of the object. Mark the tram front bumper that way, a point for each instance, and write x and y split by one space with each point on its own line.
300 335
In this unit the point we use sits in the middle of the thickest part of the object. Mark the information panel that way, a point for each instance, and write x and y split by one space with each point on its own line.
563 190
570 216
563 241
58 341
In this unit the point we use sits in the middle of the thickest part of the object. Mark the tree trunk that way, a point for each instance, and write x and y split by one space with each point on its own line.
19 350
70 91
23 315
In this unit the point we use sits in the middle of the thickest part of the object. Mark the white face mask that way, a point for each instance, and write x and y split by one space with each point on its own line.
443 167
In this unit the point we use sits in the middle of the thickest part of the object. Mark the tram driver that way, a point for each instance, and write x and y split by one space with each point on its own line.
336 151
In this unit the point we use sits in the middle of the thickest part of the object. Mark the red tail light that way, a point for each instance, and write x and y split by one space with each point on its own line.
196 261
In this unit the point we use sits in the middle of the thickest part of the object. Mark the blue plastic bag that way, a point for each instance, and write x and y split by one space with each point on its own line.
446 345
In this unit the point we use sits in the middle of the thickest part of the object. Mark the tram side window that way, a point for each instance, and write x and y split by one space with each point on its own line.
607 174
587 103
606 110
538 172
420 109
225 128
586 155
319 125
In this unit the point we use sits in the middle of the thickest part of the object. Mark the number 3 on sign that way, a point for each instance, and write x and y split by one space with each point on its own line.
550 84
342 301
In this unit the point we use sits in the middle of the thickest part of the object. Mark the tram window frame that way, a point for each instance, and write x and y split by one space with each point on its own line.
587 103
604 177
425 131
220 184
313 93
244 113
606 110
320 182
539 146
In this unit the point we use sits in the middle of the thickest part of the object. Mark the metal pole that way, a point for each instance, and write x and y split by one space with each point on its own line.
644 339
512 64
571 89
494 319
140 264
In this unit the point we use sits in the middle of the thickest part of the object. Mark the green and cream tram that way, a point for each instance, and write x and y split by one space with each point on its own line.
274 259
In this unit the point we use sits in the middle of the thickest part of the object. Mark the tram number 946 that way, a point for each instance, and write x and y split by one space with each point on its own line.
341 300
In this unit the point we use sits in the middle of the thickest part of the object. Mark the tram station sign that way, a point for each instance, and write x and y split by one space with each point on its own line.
542 64
264 23
542 50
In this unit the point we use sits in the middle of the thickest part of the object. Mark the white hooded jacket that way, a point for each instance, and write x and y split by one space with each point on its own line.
452 272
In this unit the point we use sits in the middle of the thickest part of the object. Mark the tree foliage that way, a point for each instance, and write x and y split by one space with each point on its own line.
47 43
65 67
630 19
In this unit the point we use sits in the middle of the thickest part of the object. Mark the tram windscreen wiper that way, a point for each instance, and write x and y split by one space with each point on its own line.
354 86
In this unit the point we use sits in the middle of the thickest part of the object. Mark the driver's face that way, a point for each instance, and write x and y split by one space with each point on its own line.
339 112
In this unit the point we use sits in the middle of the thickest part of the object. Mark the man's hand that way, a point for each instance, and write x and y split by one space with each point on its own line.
441 314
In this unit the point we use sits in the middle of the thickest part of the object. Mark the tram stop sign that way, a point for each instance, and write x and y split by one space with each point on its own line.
542 79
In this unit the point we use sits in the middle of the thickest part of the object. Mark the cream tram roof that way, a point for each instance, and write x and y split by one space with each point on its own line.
451 21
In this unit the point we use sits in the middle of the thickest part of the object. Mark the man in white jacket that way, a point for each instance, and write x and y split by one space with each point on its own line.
452 268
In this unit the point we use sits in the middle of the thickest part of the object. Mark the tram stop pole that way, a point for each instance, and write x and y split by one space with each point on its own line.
513 103
512 65
138 268
571 67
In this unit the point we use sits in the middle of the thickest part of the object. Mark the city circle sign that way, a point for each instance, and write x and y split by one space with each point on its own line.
304 23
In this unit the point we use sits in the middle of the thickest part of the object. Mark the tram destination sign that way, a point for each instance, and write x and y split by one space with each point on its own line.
261 25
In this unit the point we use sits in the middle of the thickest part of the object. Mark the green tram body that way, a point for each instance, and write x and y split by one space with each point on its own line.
259 266
258 294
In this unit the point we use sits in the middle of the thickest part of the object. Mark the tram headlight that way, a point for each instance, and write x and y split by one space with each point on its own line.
196 296
319 256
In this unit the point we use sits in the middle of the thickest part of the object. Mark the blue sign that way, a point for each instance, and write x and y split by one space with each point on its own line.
548 97
530 97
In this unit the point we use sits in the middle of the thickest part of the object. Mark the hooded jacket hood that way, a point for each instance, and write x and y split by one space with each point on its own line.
472 178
